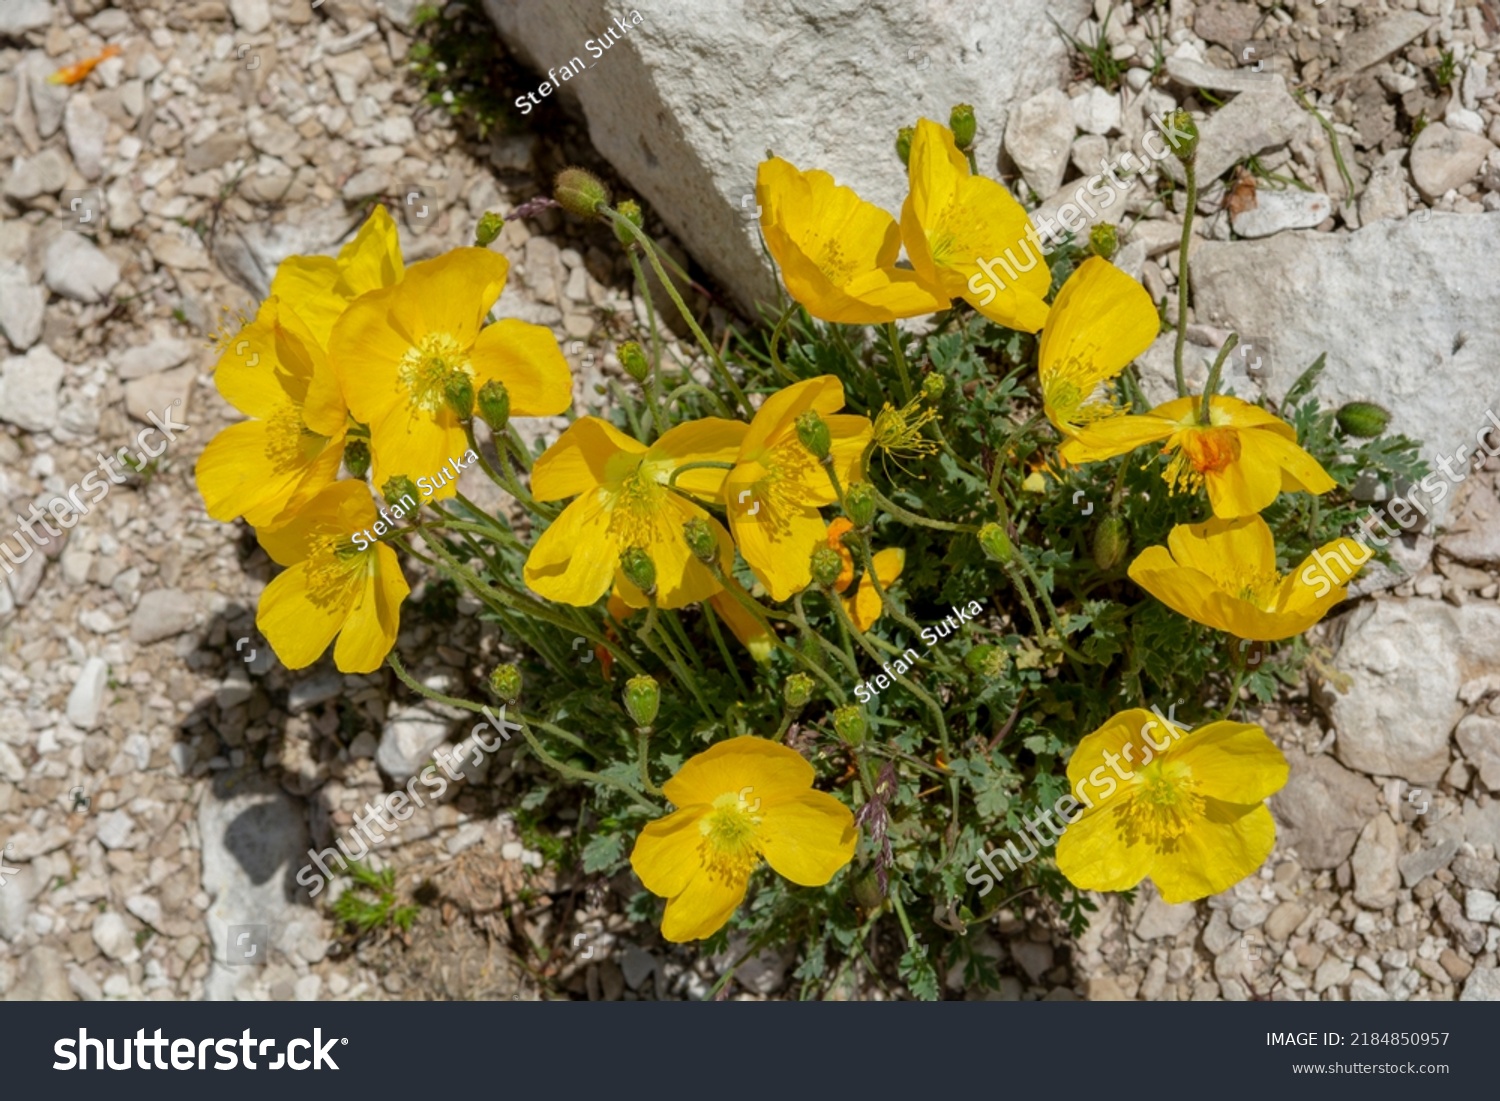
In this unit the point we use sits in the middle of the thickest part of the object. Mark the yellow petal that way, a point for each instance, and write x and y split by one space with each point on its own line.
776 543
777 415
707 439
702 909
373 259
806 838
1105 439
1232 762
680 578
580 460
299 613
1091 854
750 631
528 361
576 558
1215 854
449 294
666 855
769 769
1225 550
370 630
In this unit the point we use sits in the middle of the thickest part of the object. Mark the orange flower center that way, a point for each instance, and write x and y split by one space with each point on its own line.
1200 451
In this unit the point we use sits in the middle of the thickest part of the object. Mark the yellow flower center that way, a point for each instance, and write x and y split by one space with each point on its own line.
784 489
290 444
1163 806
1259 588
729 850
940 245
635 510
1200 451
1074 394
833 263
333 564
427 366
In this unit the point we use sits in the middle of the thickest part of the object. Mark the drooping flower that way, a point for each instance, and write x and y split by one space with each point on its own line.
739 802
269 466
1244 456
776 487
625 501
837 253
864 605
330 586
395 350
1189 812
322 286
1223 574
968 237
1101 320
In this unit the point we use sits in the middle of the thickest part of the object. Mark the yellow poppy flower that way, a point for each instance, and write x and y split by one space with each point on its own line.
1102 319
963 234
624 501
395 349
1244 456
1189 813
322 286
837 253
330 586
1223 574
739 801
776 487
273 463
864 606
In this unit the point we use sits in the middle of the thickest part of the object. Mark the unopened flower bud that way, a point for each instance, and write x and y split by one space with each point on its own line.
458 391
397 487
933 385
1363 419
1181 133
701 541
642 698
826 565
494 404
864 885
489 227
797 690
903 143
995 543
812 430
633 359
859 503
505 682
1111 541
961 122
579 192
1104 240
630 210
849 724
640 571
357 457
986 660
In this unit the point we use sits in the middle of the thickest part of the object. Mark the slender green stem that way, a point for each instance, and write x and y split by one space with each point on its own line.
729 663
906 682
484 464
643 746
701 464
912 518
579 774
652 379
1190 168
898 356
698 388
1213 376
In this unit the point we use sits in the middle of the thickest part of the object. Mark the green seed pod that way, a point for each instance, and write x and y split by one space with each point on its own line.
1111 542
797 690
489 228
505 682
357 457
859 503
995 543
630 210
1181 133
812 430
633 359
458 391
580 192
864 886
1104 240
903 143
642 698
986 660
701 541
849 724
826 566
639 569
961 122
397 487
494 404
1363 419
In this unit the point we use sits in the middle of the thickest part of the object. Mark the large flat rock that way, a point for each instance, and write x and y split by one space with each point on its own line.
686 104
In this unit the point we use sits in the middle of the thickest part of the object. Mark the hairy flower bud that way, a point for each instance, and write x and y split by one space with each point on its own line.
701 541
505 682
494 404
642 698
357 457
933 385
630 210
859 503
633 359
1181 133
1104 240
961 122
995 543
812 430
489 227
797 690
864 885
640 571
1363 419
1111 541
826 565
580 192
397 487
458 391
904 138
849 724
986 660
